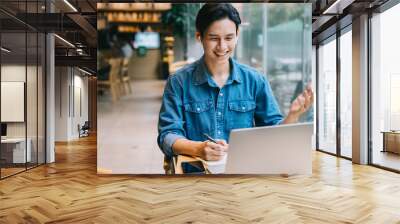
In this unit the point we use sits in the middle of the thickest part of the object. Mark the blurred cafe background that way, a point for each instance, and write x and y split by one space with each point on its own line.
141 44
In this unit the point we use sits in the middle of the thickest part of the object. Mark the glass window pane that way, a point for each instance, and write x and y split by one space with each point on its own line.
346 94
22 79
249 49
41 98
14 151
327 96
32 86
279 46
386 89
31 100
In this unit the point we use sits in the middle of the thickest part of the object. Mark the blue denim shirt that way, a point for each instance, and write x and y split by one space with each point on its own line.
193 104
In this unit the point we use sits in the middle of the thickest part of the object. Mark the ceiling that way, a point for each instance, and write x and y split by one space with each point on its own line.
79 27
324 16
73 20
330 15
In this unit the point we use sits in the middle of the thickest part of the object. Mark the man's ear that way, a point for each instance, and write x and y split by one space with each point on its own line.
198 36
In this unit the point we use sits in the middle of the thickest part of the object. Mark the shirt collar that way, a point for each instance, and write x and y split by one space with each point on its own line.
202 75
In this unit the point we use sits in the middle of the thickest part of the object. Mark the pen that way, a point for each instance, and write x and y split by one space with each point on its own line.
209 138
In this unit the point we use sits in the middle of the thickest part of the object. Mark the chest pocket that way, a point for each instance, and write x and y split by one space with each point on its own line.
197 119
197 107
241 114
242 106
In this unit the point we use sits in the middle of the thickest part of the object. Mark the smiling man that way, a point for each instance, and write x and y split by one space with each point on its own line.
216 94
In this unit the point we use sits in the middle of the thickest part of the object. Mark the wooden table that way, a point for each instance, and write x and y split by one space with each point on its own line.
391 141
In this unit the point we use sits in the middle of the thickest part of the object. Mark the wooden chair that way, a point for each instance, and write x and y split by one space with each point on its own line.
177 65
124 77
113 82
169 165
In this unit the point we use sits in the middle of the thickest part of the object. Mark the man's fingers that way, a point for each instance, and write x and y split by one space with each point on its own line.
312 97
309 86
214 146
220 146
222 142
214 153
307 100
216 149
310 92
301 99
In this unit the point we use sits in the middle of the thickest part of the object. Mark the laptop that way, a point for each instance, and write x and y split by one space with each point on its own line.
280 149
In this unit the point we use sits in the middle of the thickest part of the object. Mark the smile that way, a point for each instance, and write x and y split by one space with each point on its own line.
221 54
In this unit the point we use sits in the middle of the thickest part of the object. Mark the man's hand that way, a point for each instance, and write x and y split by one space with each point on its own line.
213 151
300 105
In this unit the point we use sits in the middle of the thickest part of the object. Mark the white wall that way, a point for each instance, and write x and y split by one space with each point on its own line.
61 103
12 73
71 94
12 101
80 96
33 126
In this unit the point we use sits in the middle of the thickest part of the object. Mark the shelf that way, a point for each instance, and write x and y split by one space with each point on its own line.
134 17
133 7
129 10
135 22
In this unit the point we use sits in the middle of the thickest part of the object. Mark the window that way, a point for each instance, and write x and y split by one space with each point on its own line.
275 39
22 66
327 96
346 94
385 88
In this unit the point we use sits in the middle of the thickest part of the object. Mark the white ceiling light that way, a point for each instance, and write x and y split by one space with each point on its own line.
65 41
337 7
5 50
70 5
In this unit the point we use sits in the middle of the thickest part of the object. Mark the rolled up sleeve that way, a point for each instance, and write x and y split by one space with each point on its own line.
169 140
170 121
267 109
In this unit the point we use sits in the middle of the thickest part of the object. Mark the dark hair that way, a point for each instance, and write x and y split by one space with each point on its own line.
210 13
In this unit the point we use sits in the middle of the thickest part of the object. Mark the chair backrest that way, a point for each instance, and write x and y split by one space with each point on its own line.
115 69
177 65
86 125
124 66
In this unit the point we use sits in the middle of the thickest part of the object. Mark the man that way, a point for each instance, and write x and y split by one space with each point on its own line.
217 94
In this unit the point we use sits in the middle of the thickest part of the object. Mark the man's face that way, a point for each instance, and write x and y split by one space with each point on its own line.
219 40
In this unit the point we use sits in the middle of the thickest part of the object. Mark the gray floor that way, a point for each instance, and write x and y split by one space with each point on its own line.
127 131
